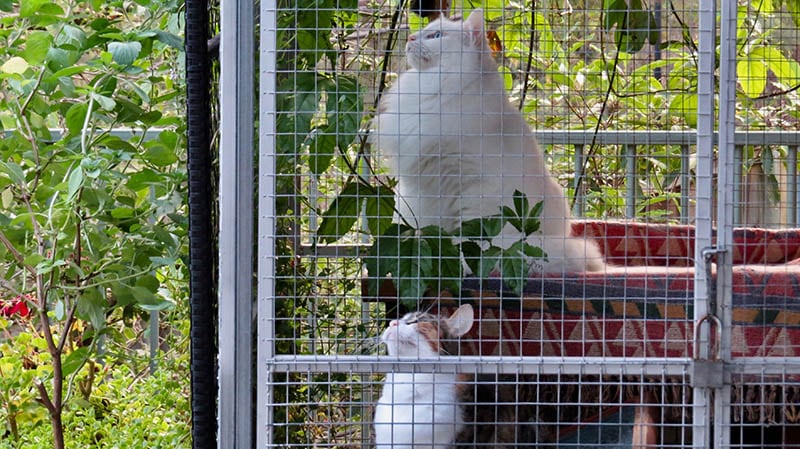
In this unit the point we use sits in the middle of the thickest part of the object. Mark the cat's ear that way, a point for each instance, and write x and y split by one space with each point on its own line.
474 23
460 322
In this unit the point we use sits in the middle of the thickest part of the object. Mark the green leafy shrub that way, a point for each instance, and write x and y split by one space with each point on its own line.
92 224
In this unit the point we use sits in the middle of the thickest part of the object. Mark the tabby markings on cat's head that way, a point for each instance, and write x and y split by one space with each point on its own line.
421 334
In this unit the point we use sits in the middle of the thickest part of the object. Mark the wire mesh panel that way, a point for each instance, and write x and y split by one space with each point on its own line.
538 164
761 305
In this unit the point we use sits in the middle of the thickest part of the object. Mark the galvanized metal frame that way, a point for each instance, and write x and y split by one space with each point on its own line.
726 211
706 122
267 153
236 233
236 243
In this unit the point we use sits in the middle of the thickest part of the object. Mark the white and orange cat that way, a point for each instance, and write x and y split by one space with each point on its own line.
421 410
459 148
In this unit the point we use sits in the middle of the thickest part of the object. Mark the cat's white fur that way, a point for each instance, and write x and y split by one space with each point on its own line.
419 410
459 148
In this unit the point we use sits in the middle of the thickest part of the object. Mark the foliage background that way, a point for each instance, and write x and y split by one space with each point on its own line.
92 224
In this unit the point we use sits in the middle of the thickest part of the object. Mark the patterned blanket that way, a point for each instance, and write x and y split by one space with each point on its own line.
643 306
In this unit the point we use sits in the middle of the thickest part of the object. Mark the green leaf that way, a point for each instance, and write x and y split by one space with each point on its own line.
15 65
322 148
342 214
533 252
159 155
414 266
615 12
47 265
768 165
75 118
106 103
382 258
92 307
69 71
74 360
752 75
59 58
380 210
793 6
59 310
511 217
685 106
36 47
71 38
170 39
514 267
489 261
446 268
472 255
521 205
6 5
143 179
13 171
28 8
149 282
74 183
634 24
123 212
124 53
481 228
787 70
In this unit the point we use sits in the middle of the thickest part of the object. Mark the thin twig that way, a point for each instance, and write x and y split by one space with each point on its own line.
44 398
530 58
16 254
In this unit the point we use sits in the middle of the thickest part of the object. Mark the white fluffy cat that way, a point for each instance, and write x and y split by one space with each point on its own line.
459 148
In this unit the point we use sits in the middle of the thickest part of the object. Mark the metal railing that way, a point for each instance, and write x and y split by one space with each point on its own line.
632 141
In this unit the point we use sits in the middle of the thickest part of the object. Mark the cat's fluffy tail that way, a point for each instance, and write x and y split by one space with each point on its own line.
567 255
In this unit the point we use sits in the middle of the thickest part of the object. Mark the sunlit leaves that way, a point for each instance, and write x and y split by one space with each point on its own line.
36 47
752 70
15 65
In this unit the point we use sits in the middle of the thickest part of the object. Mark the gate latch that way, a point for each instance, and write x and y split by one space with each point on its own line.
709 371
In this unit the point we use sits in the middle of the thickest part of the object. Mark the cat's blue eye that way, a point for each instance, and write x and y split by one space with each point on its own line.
435 35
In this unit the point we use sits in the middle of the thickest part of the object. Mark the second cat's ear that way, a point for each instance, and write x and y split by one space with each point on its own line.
460 322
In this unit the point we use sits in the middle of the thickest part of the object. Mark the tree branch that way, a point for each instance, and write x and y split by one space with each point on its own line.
16 254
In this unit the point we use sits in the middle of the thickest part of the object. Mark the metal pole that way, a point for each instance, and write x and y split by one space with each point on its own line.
630 181
791 163
706 119
237 147
726 202
267 229
686 183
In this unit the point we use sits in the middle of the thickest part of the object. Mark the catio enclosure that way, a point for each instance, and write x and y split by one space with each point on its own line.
673 128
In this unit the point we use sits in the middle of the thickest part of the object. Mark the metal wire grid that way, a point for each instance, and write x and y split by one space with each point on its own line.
330 389
329 409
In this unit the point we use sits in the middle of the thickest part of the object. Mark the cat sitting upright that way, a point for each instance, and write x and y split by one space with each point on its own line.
459 148
421 410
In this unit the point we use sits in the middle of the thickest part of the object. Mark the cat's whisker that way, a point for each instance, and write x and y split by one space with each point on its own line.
370 346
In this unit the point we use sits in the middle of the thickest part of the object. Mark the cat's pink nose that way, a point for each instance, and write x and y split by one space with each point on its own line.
393 323
412 37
